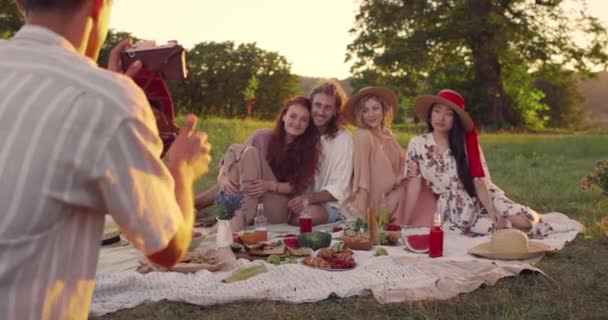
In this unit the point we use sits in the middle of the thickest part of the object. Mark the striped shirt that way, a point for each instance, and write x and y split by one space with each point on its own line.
76 141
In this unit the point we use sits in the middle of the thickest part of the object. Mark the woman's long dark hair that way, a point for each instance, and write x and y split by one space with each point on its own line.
297 161
458 149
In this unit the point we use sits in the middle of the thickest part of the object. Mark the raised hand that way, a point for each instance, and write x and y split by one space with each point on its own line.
190 150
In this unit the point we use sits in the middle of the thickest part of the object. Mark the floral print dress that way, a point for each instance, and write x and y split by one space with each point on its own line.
464 212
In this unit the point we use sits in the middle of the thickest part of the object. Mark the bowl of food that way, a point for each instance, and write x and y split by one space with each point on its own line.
314 240
358 242
393 233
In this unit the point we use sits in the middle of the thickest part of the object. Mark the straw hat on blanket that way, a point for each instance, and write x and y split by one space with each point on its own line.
510 244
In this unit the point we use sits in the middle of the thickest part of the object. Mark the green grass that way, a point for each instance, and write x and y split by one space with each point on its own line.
542 171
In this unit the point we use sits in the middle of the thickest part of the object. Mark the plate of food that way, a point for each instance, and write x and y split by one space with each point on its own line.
336 258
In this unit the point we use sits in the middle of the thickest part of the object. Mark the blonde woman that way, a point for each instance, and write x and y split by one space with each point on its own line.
378 160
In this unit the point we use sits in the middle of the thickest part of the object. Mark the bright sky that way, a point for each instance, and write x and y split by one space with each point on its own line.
311 34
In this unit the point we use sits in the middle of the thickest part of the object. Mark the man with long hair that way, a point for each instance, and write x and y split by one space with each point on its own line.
332 181
79 142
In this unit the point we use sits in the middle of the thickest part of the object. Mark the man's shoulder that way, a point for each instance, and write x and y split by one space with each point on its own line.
116 90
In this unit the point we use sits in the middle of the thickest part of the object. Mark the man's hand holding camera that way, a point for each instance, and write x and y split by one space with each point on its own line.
115 64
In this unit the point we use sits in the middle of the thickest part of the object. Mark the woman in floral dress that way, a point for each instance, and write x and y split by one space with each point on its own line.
449 160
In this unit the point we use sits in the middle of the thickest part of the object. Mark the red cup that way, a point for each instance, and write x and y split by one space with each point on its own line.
305 224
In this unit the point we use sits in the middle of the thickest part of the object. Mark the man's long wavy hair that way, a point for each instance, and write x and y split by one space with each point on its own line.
458 149
333 89
297 161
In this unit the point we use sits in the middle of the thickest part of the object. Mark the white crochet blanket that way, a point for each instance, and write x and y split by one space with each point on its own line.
402 276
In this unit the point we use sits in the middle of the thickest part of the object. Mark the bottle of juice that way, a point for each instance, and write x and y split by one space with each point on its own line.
305 219
436 237
261 224
384 216
372 226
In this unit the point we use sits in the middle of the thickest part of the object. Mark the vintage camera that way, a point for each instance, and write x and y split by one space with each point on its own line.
169 60
160 63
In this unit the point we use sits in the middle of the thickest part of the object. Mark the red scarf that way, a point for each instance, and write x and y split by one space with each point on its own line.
472 144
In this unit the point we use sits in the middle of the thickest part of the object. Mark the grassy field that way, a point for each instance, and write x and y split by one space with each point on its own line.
542 171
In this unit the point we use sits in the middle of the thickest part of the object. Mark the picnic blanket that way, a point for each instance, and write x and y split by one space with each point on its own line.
401 276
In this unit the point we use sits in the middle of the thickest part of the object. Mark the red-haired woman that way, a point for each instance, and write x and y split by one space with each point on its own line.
272 165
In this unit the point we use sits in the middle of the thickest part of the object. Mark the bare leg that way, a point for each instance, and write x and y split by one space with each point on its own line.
521 223
252 166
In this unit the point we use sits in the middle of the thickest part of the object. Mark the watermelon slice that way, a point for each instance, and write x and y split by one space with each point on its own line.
417 243
291 242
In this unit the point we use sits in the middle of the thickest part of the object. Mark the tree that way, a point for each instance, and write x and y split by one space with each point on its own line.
422 41
220 72
10 19
560 87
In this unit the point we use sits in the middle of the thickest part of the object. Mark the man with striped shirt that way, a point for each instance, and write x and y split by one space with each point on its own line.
78 142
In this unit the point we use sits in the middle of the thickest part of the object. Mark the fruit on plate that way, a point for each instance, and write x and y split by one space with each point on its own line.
392 239
249 238
418 243
291 242
273 259
381 252
267 248
314 240
343 260
392 227
300 252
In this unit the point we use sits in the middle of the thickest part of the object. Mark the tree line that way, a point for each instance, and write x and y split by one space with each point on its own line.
518 63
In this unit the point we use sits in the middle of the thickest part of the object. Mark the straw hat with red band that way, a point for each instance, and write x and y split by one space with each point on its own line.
454 100
390 99
447 97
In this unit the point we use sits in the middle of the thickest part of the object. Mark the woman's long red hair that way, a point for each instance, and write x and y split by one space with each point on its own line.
297 161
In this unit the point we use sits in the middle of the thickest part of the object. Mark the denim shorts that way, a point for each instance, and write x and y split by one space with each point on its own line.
333 214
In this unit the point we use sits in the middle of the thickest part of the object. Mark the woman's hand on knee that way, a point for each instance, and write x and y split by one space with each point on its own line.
228 185
258 187
296 204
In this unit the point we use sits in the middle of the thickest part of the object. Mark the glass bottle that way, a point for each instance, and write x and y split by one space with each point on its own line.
436 237
384 216
260 223
372 225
